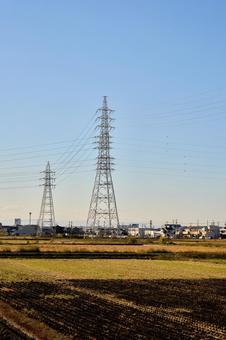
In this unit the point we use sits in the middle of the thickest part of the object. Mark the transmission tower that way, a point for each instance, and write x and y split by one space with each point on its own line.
103 209
47 216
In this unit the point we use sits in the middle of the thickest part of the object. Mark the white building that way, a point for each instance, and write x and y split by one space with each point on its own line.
134 231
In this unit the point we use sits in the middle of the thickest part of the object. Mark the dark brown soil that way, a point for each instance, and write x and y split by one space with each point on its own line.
9 333
155 309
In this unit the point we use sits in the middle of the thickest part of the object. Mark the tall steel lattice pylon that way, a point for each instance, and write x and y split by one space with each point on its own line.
103 209
47 215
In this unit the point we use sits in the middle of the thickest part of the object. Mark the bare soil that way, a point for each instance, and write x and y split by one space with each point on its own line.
7 332
123 309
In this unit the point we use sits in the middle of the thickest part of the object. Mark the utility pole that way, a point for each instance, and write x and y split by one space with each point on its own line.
47 215
103 209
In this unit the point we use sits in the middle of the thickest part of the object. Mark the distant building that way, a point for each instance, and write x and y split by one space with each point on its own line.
213 232
28 230
10 230
193 232
198 231
48 231
145 232
133 231
17 221
154 232
172 230
222 232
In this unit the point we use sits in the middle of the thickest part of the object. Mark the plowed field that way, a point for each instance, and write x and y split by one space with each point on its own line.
9 333
123 309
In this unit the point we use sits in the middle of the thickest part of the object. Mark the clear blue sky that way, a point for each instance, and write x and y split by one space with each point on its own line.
163 66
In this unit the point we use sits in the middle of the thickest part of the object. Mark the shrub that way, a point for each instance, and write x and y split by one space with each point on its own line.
132 241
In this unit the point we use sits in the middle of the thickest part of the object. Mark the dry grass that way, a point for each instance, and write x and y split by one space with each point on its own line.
26 269
192 248
178 248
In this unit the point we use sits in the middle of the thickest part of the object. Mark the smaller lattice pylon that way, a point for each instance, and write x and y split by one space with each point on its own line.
47 215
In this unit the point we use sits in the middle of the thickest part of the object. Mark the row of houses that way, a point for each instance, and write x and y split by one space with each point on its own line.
35 230
178 231
131 230
165 231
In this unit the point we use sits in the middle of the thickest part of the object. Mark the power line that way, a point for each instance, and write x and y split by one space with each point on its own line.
84 132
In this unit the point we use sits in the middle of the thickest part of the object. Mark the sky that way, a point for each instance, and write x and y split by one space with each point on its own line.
162 65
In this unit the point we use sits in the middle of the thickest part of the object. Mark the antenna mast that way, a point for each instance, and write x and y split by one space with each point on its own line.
103 209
